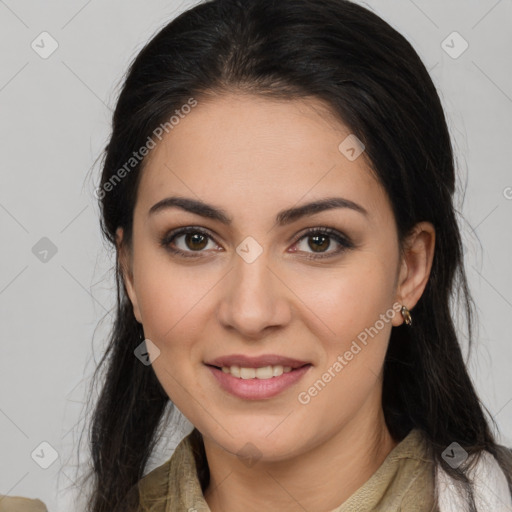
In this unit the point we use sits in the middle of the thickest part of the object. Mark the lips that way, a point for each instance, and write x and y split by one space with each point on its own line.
256 362
254 388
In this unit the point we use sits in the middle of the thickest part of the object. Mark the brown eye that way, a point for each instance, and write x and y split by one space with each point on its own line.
195 241
187 241
318 242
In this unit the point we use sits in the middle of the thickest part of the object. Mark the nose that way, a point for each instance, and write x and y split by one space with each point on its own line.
254 298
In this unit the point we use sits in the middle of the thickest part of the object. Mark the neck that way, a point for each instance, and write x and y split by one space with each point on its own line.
320 479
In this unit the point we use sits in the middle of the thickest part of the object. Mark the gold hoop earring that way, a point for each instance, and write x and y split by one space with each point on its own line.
406 315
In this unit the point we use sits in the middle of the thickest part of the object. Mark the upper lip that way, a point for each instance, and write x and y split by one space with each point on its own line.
256 362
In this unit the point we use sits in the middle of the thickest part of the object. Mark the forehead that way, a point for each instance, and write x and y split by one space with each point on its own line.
250 151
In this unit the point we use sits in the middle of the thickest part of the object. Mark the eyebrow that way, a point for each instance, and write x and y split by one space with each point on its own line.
283 218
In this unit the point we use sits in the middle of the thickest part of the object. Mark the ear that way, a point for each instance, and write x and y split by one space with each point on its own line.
416 263
125 263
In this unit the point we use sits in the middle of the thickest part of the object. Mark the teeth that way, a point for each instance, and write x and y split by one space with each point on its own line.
263 373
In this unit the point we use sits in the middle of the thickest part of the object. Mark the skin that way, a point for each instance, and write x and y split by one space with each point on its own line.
253 157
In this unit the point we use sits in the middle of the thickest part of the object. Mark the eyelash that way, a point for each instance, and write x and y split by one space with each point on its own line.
344 242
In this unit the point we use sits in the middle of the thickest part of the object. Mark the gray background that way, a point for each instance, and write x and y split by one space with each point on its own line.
54 122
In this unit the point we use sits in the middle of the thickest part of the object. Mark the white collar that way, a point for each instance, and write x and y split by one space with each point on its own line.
489 483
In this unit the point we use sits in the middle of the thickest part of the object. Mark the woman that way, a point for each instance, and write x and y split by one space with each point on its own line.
278 187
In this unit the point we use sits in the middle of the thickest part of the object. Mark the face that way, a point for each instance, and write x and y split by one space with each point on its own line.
320 288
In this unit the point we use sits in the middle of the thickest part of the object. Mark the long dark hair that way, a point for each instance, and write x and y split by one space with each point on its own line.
375 83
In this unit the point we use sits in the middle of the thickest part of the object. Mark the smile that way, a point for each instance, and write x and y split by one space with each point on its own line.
265 372
257 383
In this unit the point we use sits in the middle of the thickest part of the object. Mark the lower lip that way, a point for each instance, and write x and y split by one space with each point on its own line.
258 389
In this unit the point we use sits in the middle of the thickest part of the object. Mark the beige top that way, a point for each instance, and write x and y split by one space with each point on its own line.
19 504
403 482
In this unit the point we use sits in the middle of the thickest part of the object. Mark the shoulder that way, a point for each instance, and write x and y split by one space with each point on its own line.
174 485
20 504
150 493
155 483
154 490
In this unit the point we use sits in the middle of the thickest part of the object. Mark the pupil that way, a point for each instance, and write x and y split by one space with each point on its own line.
195 238
319 245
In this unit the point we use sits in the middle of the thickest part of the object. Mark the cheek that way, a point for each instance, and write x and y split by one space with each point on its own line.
171 301
168 294
352 360
354 309
347 300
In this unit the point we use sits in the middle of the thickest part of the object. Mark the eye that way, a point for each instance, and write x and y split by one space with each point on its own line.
186 241
321 239
189 240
